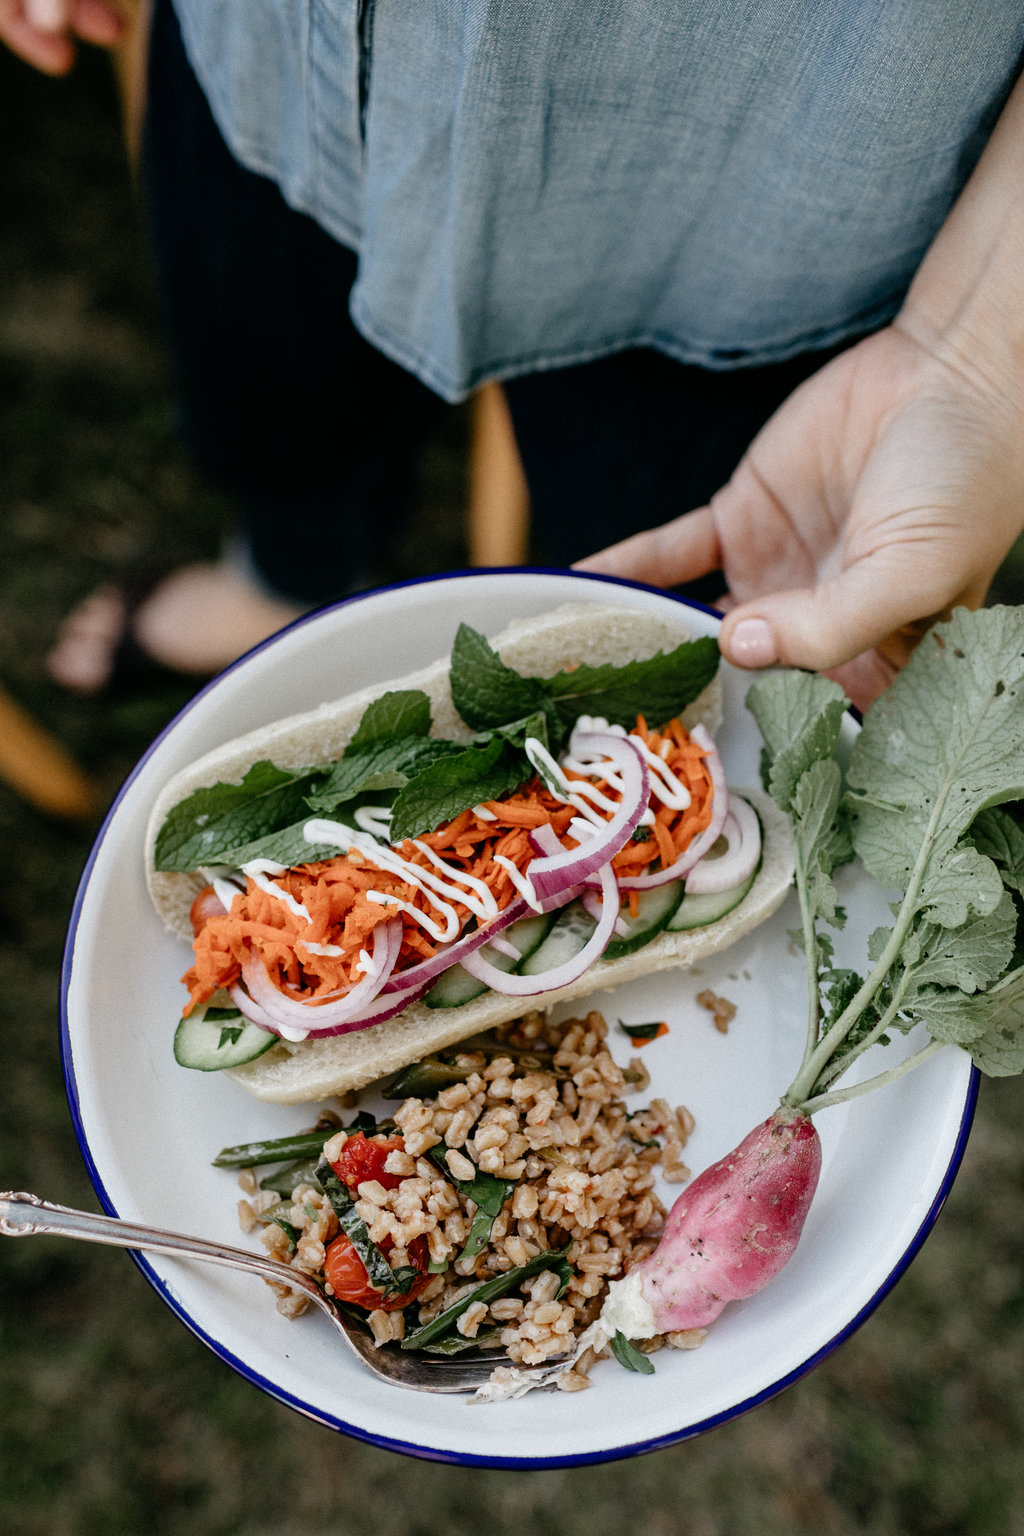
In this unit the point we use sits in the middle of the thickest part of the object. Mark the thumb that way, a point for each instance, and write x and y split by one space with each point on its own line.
878 601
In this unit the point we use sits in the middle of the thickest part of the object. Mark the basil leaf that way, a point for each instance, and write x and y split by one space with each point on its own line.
630 1357
379 1272
487 1193
487 1291
210 824
454 1343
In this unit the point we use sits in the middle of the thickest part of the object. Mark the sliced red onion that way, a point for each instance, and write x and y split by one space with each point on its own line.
290 1015
699 846
447 955
743 832
380 1009
529 986
552 874
592 904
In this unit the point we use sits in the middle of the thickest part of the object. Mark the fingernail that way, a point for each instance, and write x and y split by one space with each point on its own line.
752 644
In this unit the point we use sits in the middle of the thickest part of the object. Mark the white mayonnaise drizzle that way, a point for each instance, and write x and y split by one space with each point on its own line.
257 871
455 885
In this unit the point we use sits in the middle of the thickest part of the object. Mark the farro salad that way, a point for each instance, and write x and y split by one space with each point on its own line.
510 1185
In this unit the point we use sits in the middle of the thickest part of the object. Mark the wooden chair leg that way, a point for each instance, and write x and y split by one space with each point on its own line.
36 765
498 513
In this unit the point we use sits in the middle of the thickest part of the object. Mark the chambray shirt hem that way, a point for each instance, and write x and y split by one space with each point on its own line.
693 354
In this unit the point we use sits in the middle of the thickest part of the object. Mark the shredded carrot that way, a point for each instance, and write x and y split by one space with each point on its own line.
342 917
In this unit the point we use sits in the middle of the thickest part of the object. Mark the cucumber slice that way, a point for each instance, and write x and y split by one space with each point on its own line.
227 1039
698 911
655 911
566 939
456 986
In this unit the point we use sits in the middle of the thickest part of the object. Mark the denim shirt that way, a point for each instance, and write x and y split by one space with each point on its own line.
534 183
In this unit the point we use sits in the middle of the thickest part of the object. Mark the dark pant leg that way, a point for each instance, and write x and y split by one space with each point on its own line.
283 403
627 443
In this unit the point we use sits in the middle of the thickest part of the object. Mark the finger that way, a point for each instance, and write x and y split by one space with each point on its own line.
97 22
50 52
825 626
678 551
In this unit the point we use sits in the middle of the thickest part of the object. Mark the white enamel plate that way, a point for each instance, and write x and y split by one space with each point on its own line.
148 1129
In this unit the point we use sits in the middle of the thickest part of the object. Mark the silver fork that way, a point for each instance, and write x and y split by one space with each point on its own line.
23 1214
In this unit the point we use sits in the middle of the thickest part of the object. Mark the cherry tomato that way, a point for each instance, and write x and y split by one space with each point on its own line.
347 1277
206 905
362 1160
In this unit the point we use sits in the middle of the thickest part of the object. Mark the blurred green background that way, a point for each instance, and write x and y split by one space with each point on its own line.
114 1420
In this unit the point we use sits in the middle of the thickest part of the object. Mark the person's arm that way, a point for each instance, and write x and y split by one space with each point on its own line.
890 485
45 33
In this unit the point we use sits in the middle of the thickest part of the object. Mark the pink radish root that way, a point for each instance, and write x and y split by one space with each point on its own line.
735 1226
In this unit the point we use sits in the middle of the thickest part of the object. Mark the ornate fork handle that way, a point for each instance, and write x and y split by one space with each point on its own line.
22 1215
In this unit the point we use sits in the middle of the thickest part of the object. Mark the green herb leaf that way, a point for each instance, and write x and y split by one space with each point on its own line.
487 1291
487 1193
443 790
999 1051
999 834
629 1356
379 1272
378 768
658 687
209 825
401 713
485 691
941 744
798 715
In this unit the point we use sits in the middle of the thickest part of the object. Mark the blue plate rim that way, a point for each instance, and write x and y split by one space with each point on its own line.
307 1410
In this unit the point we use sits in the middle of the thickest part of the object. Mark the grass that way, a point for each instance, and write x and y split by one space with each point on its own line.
114 1420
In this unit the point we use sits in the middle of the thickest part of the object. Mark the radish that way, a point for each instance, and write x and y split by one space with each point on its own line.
933 805
735 1227
938 752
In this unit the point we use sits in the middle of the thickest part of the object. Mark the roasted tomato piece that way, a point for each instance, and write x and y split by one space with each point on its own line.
347 1277
363 1159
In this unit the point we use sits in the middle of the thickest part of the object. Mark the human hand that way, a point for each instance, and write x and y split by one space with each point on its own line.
45 32
888 488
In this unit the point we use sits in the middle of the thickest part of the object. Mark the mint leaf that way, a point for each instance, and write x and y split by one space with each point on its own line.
404 712
287 846
377 768
658 687
443 790
485 691
207 826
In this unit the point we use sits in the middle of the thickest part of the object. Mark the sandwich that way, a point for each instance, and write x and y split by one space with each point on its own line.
537 817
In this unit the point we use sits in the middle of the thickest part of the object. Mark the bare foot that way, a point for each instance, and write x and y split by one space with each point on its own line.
86 641
197 621
205 616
